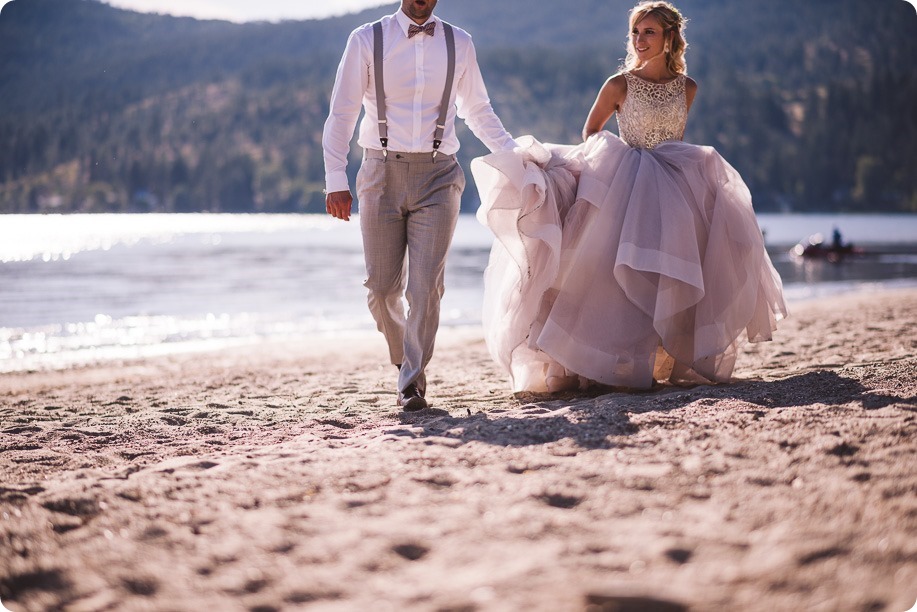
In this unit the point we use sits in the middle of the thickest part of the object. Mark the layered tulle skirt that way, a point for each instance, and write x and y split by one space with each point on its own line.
621 266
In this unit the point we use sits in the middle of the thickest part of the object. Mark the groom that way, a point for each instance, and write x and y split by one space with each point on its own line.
412 73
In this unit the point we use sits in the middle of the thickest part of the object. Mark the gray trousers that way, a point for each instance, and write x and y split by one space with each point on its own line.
409 205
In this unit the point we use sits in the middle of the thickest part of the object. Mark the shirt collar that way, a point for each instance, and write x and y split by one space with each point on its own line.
405 22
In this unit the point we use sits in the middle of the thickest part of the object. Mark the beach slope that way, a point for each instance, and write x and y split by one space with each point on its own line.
285 477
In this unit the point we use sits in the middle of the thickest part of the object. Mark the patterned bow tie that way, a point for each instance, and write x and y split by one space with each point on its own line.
414 30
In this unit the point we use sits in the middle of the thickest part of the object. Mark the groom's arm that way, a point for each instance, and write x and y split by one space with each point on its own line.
350 83
474 107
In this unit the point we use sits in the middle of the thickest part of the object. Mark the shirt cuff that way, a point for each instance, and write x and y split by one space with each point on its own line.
336 181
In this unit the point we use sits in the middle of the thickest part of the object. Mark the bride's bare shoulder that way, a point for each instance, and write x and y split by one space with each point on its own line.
615 86
617 81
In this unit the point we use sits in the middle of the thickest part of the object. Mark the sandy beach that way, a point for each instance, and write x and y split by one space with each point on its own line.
284 477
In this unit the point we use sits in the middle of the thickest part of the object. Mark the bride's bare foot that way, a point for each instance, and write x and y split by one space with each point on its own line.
665 364
556 384
557 379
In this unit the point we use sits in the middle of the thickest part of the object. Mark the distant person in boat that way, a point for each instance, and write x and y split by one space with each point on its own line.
837 241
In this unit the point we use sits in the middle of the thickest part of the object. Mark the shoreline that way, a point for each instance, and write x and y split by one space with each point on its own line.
76 360
285 477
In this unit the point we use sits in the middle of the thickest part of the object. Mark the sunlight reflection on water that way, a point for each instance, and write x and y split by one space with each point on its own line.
88 288
56 237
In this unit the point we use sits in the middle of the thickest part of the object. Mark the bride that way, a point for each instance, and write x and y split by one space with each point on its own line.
624 260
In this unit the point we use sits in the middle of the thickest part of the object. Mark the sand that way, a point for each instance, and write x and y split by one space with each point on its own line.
284 477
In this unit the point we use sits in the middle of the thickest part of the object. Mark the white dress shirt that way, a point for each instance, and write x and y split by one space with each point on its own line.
415 77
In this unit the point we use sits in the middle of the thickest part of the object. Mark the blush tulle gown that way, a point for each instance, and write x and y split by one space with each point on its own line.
623 260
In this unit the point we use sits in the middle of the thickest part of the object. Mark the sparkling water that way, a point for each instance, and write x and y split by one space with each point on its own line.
78 289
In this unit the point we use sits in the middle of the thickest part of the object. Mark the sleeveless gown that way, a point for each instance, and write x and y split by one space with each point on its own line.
623 260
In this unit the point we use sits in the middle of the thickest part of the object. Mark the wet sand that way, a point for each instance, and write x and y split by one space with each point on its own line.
284 477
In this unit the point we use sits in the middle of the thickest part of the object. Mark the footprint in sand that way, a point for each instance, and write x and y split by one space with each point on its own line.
14 494
199 466
22 429
411 551
822 554
631 603
71 513
124 399
565 502
143 586
19 447
304 597
173 420
337 423
679 555
17 586
844 450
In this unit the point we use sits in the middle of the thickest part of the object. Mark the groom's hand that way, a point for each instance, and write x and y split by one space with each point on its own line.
338 204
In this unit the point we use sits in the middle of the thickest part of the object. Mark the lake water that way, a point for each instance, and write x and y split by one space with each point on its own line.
80 289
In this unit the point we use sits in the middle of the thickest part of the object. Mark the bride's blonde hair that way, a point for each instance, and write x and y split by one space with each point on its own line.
672 21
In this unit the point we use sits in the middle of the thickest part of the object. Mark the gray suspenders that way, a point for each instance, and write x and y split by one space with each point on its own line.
447 92
380 88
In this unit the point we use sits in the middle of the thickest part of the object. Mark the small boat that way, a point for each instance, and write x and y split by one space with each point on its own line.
815 247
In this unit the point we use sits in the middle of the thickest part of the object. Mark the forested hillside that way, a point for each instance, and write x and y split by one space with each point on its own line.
108 110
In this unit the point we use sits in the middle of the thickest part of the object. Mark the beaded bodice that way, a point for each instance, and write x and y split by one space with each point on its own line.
652 112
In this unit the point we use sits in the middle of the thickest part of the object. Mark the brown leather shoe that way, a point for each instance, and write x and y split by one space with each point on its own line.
411 400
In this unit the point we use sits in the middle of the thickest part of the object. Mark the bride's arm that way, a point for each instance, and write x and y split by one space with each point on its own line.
690 91
609 100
